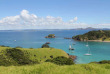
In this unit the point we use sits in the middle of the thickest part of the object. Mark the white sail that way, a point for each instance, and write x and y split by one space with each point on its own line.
70 46
88 54
87 45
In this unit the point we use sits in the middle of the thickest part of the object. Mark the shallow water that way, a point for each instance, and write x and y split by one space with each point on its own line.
35 39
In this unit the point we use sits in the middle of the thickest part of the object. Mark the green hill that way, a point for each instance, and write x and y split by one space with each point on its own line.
9 56
100 35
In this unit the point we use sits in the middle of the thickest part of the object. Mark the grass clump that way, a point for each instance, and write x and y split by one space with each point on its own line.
61 60
50 68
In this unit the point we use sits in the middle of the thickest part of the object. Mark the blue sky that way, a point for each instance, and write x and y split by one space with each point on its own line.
87 11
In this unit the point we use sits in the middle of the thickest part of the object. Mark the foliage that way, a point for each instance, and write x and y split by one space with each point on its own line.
93 35
30 48
45 46
13 56
102 62
61 60
4 61
3 46
18 47
51 35
18 56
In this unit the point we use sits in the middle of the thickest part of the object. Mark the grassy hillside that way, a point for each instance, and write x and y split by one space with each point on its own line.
43 54
100 35
40 54
50 68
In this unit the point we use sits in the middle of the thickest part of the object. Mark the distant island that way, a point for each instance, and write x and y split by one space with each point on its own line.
50 36
100 36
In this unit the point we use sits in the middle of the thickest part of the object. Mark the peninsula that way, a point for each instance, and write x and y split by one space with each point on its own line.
99 36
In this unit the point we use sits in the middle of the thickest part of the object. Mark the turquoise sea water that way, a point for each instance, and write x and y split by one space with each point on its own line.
35 39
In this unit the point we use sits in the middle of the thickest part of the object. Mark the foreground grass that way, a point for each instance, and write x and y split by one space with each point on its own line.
50 68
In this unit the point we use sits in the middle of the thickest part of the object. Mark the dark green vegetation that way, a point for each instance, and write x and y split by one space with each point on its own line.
50 36
102 62
102 35
14 56
45 46
61 60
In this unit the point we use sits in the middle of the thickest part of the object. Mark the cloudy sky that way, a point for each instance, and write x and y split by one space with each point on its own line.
54 14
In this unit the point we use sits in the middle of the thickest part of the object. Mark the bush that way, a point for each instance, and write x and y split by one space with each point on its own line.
4 61
3 46
31 48
18 56
61 60
45 46
18 47
102 62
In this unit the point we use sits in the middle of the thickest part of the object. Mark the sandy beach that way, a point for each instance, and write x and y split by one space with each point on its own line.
98 41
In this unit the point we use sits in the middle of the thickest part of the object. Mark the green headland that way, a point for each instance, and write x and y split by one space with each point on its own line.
100 35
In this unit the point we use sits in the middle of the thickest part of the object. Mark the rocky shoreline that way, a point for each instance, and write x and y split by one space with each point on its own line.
73 57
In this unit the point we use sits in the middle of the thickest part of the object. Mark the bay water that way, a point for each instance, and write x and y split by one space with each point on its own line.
36 38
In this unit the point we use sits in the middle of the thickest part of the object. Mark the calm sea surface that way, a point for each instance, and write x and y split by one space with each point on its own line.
35 39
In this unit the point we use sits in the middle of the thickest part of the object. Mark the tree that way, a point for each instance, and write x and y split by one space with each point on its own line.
45 46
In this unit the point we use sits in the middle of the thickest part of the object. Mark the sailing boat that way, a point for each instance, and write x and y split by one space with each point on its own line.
88 54
70 48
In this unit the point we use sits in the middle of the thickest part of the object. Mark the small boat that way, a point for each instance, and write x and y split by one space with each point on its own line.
88 54
73 44
70 48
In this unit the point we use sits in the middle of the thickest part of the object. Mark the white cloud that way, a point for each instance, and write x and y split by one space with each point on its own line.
106 25
73 20
32 21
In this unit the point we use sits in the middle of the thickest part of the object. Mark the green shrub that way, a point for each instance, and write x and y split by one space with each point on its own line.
61 60
31 48
18 47
3 46
4 61
18 56
45 46
102 62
